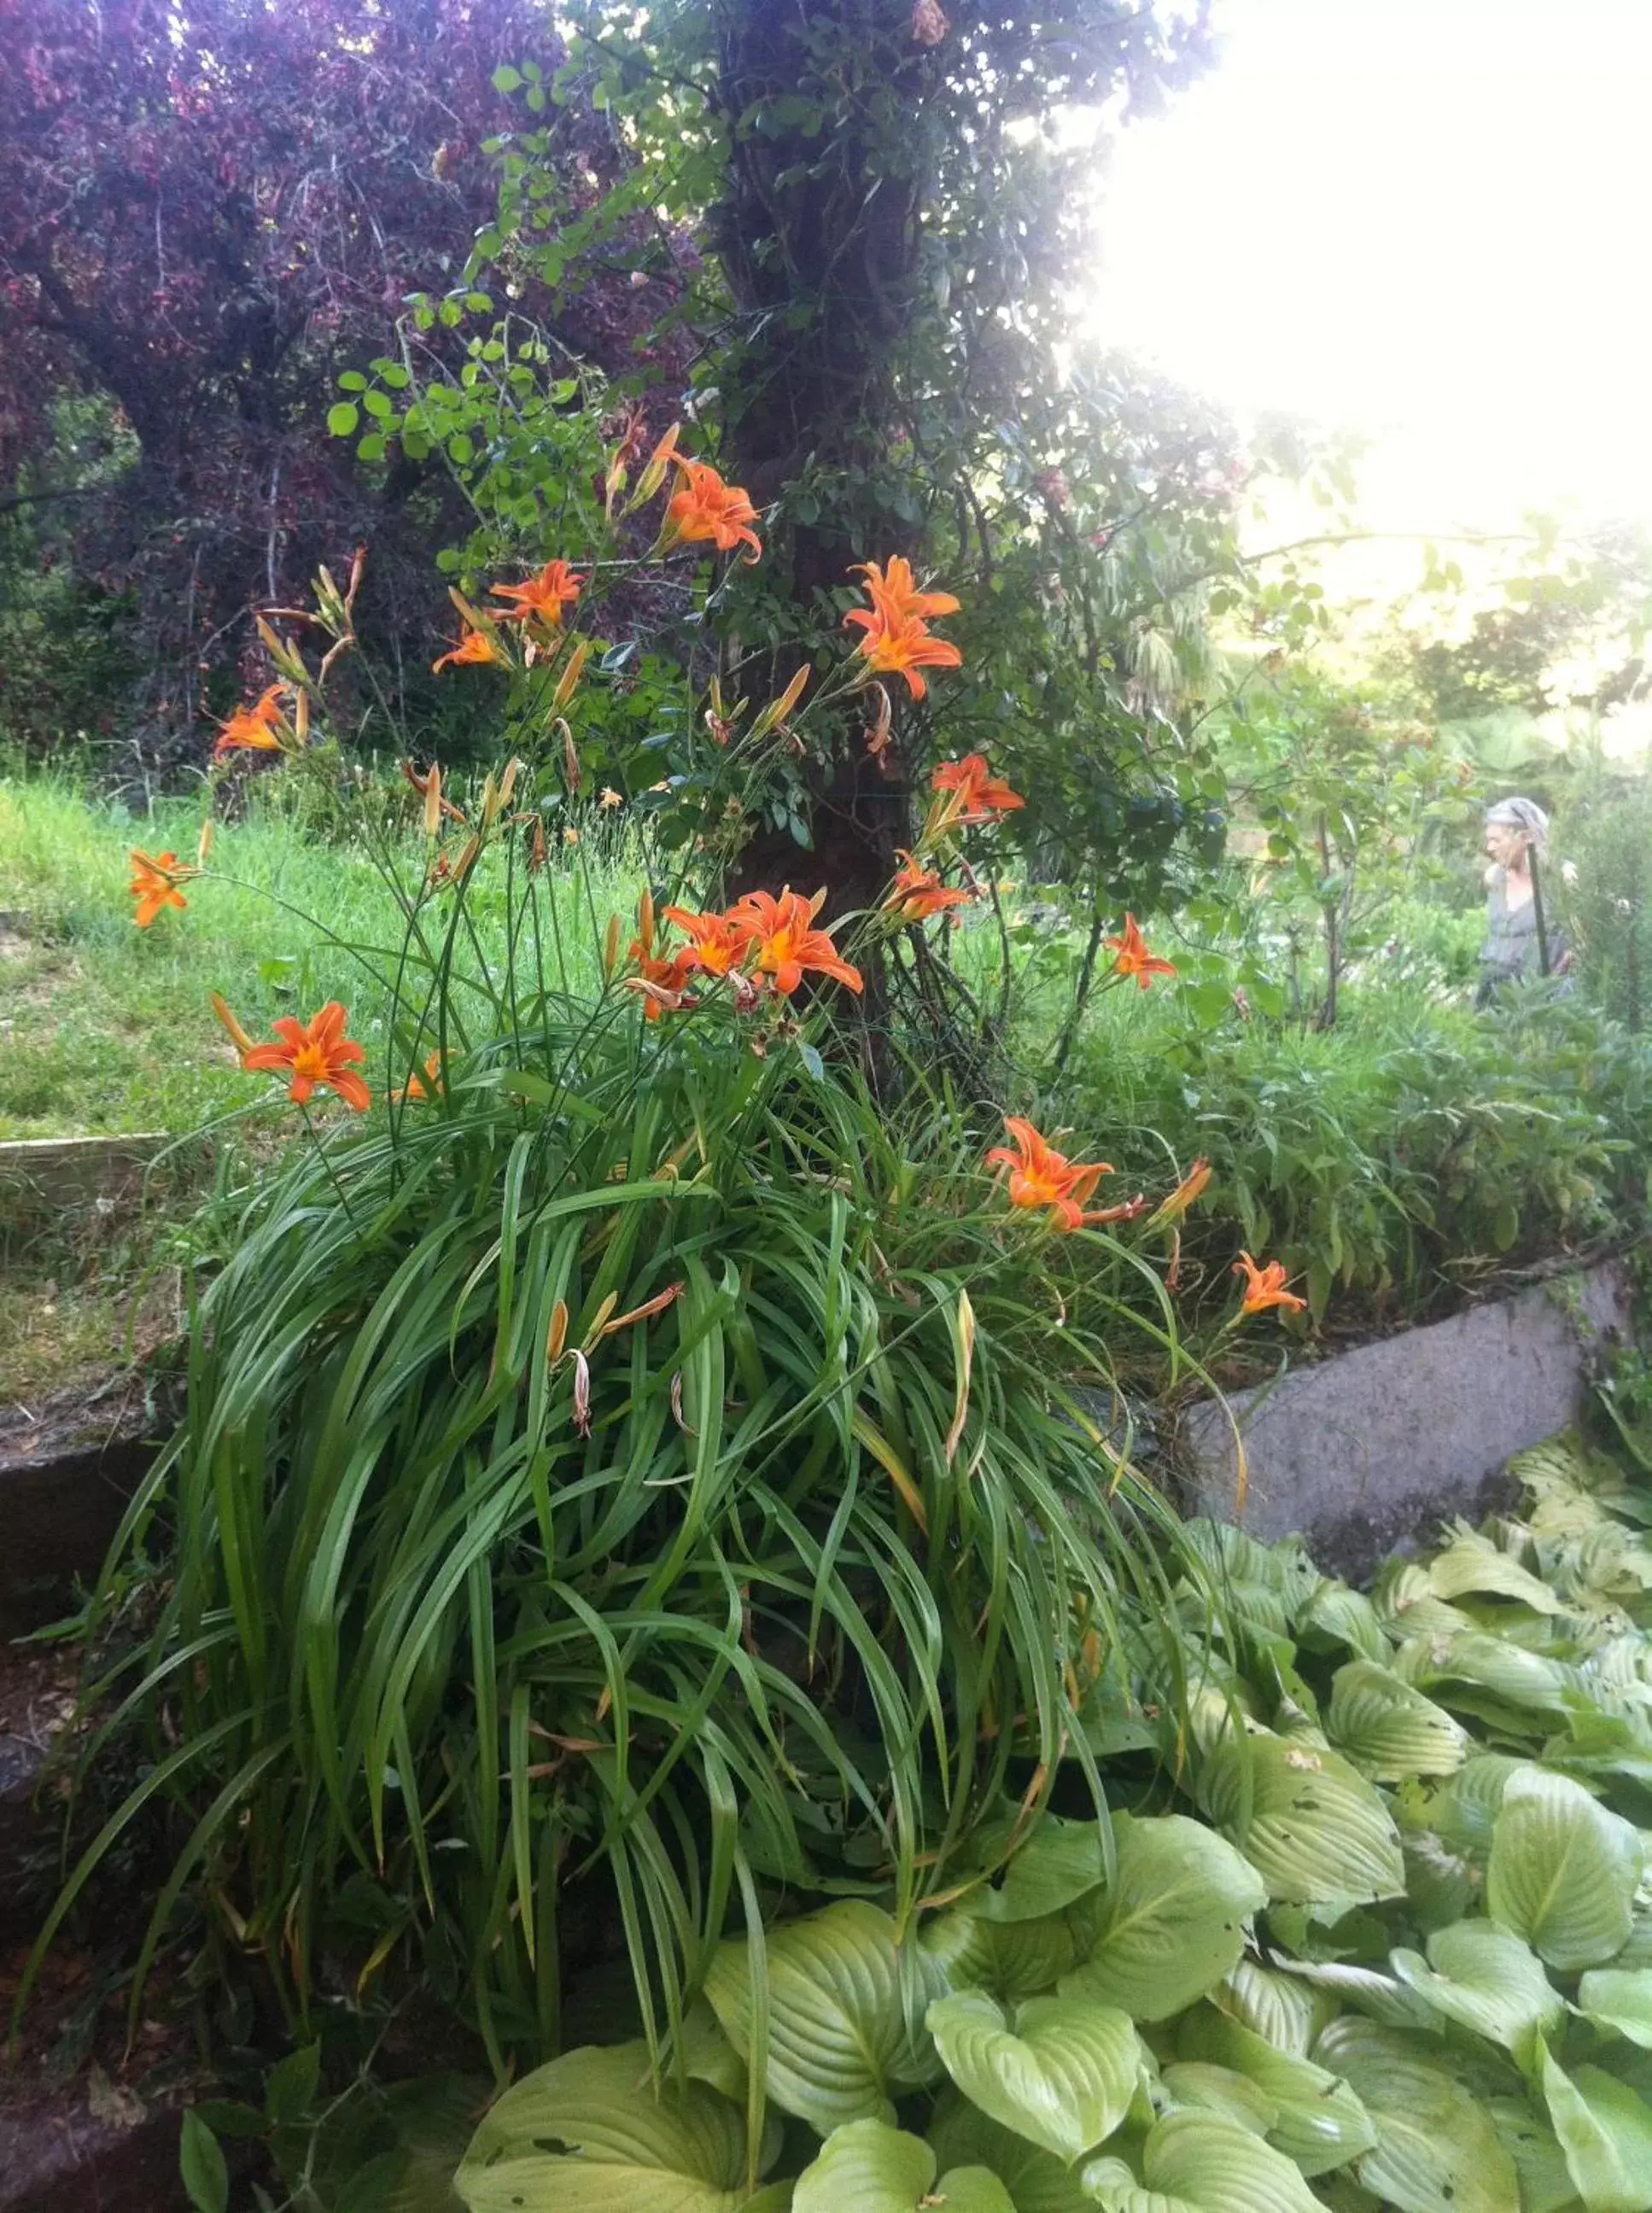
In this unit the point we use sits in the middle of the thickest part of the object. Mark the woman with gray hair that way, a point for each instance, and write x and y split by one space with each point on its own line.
1521 940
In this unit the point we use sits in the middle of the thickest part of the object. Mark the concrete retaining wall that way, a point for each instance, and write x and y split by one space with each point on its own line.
1383 1443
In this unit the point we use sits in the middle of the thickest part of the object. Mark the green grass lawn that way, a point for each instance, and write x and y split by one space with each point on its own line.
105 1028
108 1027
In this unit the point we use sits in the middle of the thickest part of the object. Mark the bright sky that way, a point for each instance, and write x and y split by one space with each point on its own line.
1427 219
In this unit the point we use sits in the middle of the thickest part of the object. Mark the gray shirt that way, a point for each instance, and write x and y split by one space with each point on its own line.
1510 948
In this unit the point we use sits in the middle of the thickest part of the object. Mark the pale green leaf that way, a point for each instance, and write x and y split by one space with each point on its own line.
1620 1999
1213 2089
1471 1563
1480 1975
1320 2124
1606 2132
1037 2181
1063 2077
1317 1832
1348 1616
1014 1960
1563 1870
1058 1864
622 2145
970 2190
1282 2010
1546 2182
1437 2149
1172 1921
1389 1730
1204 2164
868 2167
837 2043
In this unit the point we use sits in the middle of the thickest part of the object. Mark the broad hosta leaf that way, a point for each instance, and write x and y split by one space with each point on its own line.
837 2043
1620 1999
1472 1563
1058 1864
1526 1680
1280 2008
1465 1809
1317 1832
1546 2182
1038 2182
1437 2149
1014 1960
1606 2132
1319 2123
1213 2089
1389 1730
874 2168
1360 1990
1480 1975
1062 2077
1208 2165
1563 1870
623 2147
1348 1616
1172 1920
968 2190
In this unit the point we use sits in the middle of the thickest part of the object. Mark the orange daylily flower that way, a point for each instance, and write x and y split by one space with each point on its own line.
707 508
977 794
721 942
1041 1176
1133 957
430 1085
918 892
658 981
1265 1287
1173 1208
256 728
786 941
156 878
904 649
541 599
897 640
895 597
608 797
474 648
312 1053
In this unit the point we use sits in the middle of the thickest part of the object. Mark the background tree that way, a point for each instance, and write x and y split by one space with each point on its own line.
207 210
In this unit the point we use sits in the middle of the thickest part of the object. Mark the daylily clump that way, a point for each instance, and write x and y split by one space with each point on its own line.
758 942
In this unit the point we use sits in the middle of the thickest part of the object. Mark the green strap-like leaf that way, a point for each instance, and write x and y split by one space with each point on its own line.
1172 1920
1062 2077
1563 1870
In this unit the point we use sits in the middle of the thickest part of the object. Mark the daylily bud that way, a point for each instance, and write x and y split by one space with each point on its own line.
571 769
508 781
301 715
654 473
204 843
581 1394
536 847
490 801
610 946
645 924
557 1335
238 1036
433 800
778 710
568 682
